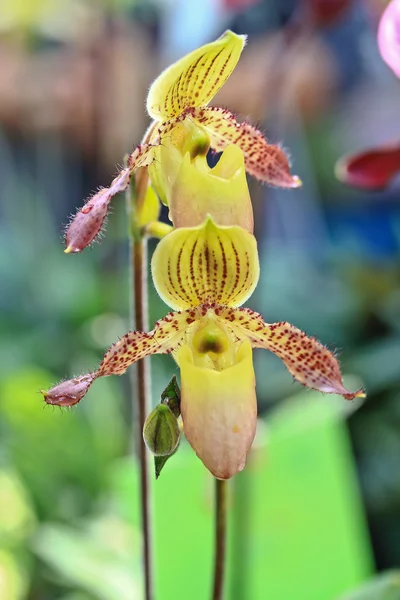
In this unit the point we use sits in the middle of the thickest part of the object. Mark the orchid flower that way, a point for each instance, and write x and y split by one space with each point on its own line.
180 97
205 273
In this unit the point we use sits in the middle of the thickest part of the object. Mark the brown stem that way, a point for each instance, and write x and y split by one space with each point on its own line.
220 537
141 403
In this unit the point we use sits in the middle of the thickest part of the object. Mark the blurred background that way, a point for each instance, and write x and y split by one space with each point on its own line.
317 510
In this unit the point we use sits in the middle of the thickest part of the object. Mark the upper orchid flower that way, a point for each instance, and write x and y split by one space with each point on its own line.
180 96
205 273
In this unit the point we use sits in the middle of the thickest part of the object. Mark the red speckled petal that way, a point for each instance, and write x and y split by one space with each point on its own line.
165 337
306 359
133 346
267 162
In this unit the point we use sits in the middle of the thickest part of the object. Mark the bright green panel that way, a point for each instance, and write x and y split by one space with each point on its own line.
296 525
299 512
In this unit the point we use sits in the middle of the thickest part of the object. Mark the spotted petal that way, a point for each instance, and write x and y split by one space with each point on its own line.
267 162
135 345
206 264
196 78
306 359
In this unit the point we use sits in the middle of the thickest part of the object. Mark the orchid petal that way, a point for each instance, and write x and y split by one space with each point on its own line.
306 359
219 410
133 346
267 162
389 36
370 170
196 78
206 264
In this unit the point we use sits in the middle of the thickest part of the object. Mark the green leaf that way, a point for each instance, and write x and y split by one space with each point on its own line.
159 462
88 563
171 396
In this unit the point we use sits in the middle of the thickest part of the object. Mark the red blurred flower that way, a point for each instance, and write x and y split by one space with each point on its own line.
324 12
371 169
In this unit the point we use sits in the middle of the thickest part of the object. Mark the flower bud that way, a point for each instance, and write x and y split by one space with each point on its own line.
87 223
70 392
161 431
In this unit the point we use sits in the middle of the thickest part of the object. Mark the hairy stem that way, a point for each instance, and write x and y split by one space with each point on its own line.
220 538
141 402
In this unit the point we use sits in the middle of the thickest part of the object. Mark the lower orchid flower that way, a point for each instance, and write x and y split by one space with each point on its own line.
205 274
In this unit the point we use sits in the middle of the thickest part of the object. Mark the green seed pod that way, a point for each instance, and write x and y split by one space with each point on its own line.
161 431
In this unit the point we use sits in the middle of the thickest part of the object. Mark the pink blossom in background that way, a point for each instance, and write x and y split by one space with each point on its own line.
389 36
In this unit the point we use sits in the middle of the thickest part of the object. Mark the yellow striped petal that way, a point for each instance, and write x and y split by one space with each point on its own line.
267 162
196 78
306 359
206 264
219 410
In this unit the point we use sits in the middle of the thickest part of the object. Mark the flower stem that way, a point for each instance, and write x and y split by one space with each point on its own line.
221 487
141 402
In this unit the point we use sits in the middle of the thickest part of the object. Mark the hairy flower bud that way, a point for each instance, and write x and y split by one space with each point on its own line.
161 431
87 223
70 392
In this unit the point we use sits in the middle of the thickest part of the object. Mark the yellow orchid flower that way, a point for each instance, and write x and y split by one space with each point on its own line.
205 274
180 96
